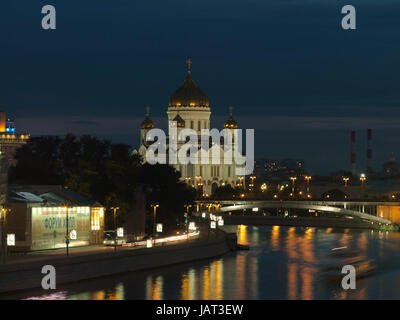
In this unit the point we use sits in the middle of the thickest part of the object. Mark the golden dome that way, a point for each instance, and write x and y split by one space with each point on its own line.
180 123
230 122
189 94
147 123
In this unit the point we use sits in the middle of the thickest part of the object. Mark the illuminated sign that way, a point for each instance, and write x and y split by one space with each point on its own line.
49 226
213 225
203 215
192 226
11 239
120 232
159 227
149 243
73 235
221 222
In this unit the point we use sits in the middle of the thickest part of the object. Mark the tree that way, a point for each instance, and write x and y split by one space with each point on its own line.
101 171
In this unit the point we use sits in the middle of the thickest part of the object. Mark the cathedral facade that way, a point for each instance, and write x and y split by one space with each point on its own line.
189 108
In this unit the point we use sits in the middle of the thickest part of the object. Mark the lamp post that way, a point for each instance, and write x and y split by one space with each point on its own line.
67 231
4 234
363 178
115 227
187 220
308 178
155 206
293 180
241 181
251 186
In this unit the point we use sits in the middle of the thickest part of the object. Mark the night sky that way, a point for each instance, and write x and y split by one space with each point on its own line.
287 68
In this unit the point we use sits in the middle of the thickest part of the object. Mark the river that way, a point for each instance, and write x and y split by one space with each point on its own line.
282 263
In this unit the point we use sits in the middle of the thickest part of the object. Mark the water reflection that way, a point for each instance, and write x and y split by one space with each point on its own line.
283 263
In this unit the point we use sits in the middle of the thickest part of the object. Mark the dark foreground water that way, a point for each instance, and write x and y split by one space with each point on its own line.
282 263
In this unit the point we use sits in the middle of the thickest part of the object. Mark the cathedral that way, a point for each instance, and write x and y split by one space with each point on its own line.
189 108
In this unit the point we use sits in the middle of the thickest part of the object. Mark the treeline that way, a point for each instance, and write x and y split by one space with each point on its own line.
101 171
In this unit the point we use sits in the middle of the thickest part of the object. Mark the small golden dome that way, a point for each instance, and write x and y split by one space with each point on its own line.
180 123
147 123
230 123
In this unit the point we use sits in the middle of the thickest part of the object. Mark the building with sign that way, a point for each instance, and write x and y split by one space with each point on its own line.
38 218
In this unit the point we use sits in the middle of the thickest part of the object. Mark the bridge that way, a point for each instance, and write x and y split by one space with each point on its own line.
386 213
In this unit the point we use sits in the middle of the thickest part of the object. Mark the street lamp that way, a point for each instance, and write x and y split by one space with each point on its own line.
4 233
346 180
115 227
240 182
67 231
363 178
198 180
293 180
187 206
154 206
263 187
308 178
251 185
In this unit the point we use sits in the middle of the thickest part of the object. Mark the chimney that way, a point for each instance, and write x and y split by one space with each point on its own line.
2 121
369 150
353 153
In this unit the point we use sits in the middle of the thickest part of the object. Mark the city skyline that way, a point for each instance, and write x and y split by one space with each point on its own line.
289 71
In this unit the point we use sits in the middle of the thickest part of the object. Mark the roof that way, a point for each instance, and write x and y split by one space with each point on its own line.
56 195
189 95
24 197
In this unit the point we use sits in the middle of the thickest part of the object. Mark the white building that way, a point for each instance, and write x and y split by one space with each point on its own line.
189 107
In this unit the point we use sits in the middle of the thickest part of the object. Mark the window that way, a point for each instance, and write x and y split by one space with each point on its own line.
191 124
97 218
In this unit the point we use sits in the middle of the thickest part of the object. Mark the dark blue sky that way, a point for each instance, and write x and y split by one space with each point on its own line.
286 67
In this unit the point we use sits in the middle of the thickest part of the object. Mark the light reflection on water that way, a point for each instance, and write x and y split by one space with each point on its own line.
282 263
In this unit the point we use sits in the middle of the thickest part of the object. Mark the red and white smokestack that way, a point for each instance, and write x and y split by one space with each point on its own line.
369 150
353 152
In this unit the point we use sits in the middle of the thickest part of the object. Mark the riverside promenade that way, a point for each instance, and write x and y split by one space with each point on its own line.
24 272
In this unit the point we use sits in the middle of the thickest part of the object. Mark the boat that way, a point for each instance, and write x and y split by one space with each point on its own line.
364 266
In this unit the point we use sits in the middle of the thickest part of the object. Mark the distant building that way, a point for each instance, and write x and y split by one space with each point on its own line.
38 214
284 168
10 141
189 108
